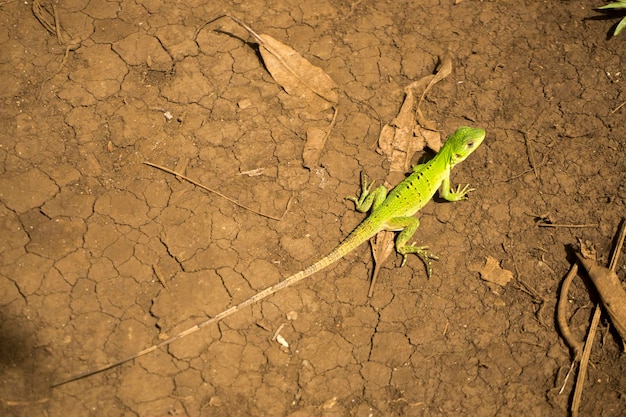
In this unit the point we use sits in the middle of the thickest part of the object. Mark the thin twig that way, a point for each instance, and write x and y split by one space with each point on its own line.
332 123
71 47
618 107
196 183
529 147
159 275
10 403
57 25
584 362
531 155
537 298
566 225
569 373
277 332
621 234
544 162
54 27
42 16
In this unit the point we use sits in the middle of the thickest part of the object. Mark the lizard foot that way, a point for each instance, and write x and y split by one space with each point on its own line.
365 190
423 254
368 199
460 193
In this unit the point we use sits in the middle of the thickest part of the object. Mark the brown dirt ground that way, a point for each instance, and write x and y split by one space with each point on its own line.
84 224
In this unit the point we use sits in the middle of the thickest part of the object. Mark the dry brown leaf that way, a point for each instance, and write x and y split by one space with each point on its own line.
410 131
315 141
404 124
385 140
382 246
443 70
304 82
425 127
396 139
291 70
493 273
612 294
430 138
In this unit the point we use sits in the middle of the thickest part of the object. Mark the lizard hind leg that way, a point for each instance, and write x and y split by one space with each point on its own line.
408 226
368 199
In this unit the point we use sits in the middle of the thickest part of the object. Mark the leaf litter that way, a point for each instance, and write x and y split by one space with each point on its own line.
409 132
299 78
291 70
494 274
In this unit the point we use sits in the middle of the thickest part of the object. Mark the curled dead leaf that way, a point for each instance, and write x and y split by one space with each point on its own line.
443 70
385 140
294 73
315 140
302 80
493 273
410 131
382 246
426 137
612 294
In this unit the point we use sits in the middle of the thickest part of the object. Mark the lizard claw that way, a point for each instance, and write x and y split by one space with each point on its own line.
365 192
461 193
423 254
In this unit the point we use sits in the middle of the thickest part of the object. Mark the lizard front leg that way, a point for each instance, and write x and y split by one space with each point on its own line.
369 200
407 227
449 195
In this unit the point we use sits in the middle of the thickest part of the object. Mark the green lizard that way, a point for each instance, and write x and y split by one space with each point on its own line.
392 212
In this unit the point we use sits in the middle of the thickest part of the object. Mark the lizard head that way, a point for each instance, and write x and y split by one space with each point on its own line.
462 143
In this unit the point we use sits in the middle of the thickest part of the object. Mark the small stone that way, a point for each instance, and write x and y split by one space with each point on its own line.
245 103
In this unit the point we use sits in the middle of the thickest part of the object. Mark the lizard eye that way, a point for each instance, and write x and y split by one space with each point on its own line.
470 144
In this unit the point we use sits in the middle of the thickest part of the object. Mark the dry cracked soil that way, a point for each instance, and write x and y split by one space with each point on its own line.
102 255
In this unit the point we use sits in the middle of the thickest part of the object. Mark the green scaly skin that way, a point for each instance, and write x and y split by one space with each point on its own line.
393 212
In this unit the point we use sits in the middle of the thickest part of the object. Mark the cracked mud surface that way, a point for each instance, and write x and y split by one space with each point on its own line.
86 227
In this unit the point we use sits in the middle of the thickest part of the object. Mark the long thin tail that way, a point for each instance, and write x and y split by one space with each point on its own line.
355 239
